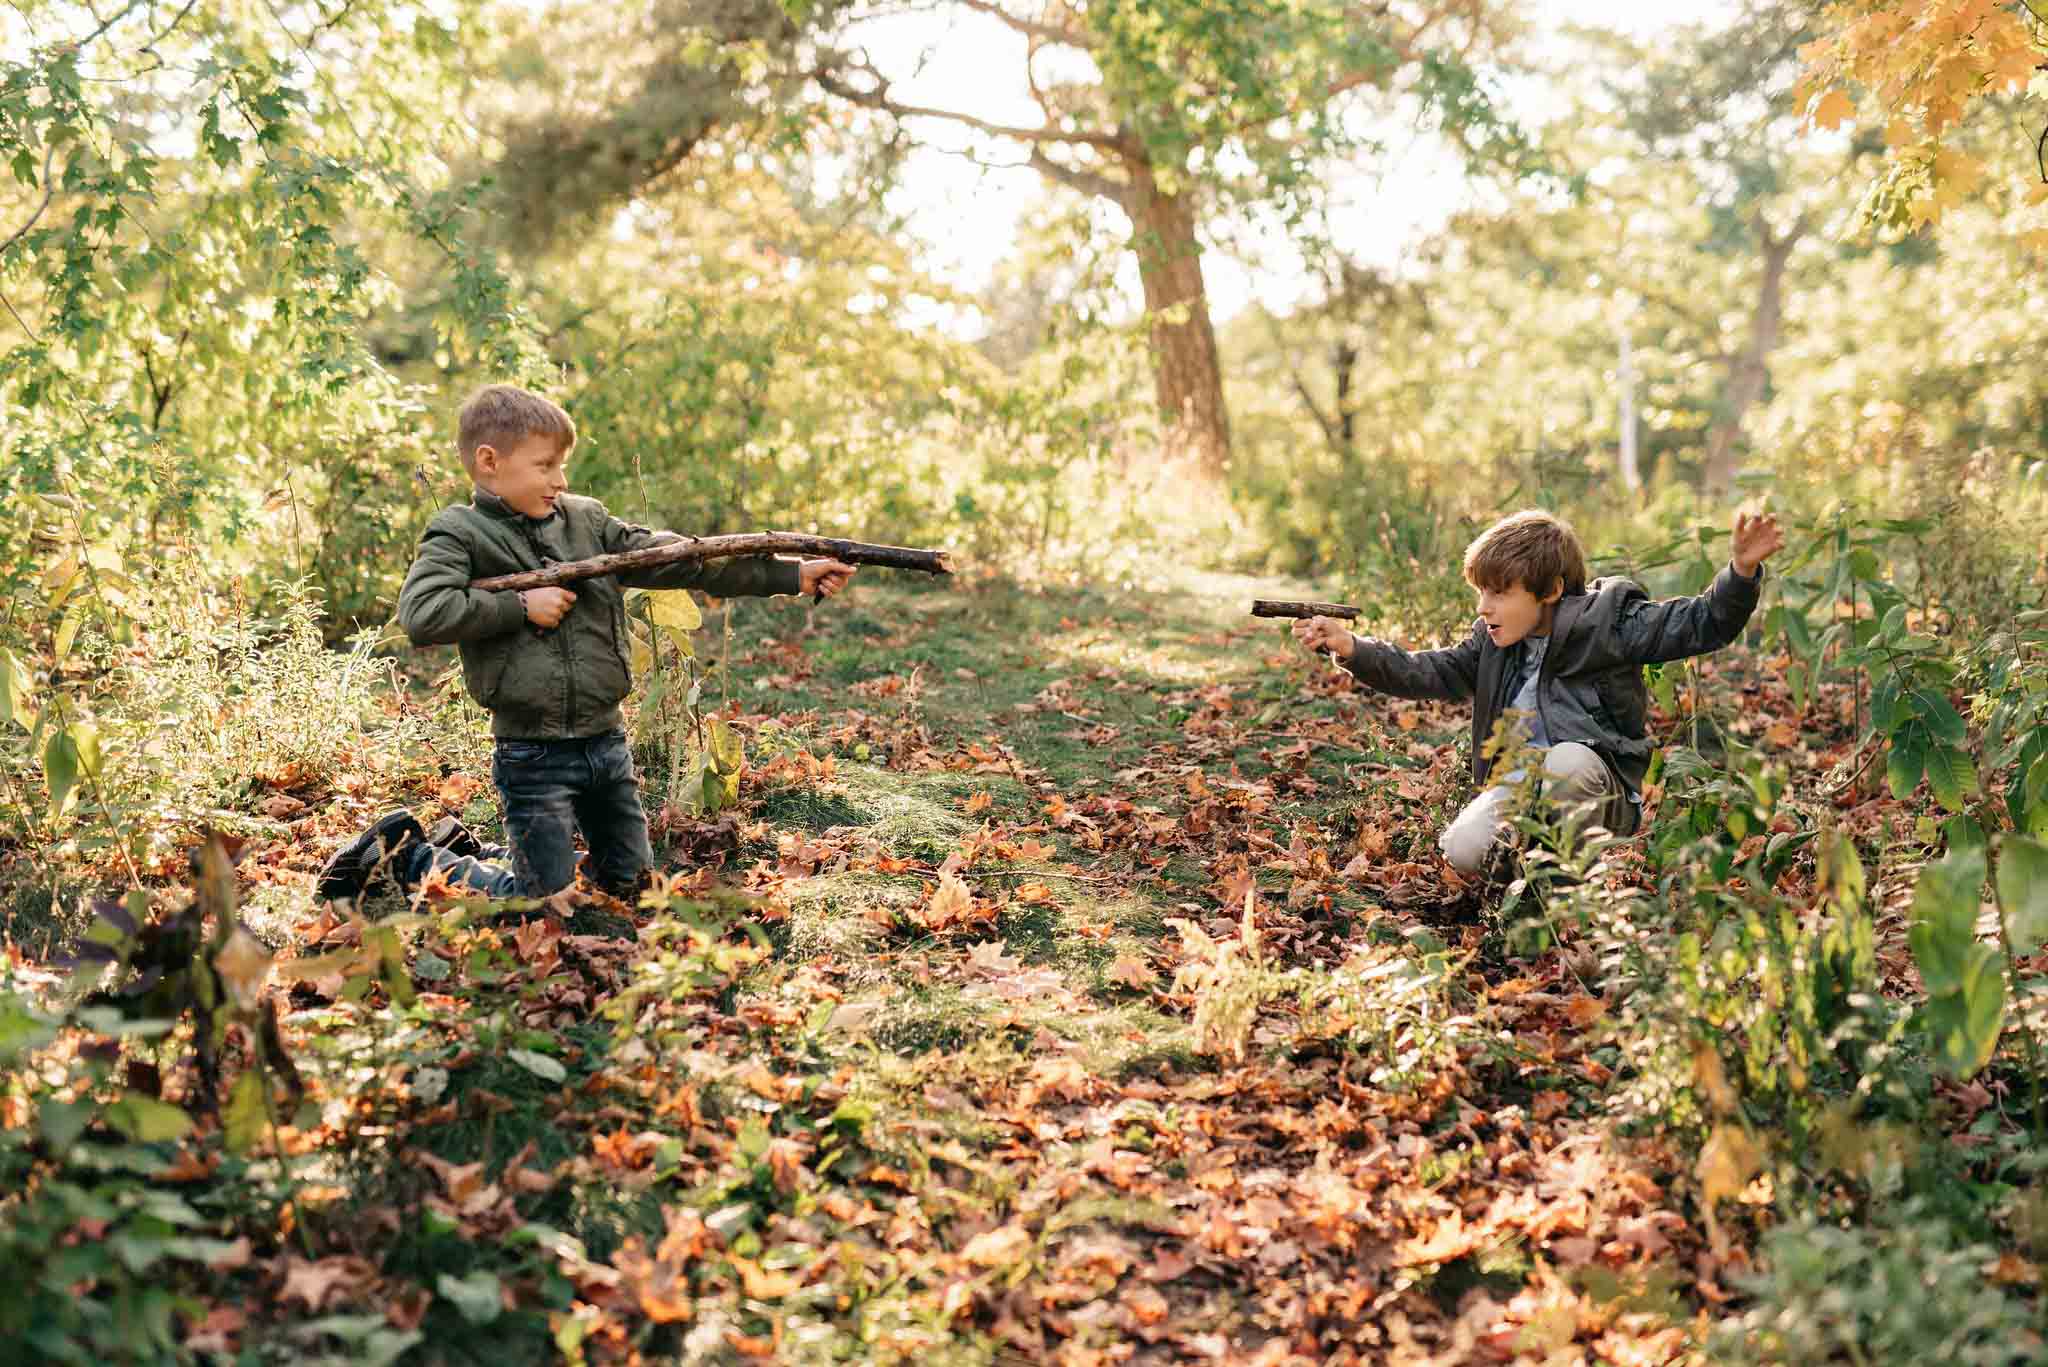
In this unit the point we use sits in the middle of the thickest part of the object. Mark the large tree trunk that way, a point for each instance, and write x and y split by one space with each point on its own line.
1749 372
1187 374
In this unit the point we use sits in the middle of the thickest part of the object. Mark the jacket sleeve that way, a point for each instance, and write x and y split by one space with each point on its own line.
740 576
1450 673
437 606
1648 632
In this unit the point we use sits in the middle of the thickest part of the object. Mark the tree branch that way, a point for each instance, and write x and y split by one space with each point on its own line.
1074 178
1050 33
49 151
879 99
106 24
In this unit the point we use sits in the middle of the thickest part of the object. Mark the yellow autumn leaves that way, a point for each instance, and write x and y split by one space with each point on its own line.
1923 61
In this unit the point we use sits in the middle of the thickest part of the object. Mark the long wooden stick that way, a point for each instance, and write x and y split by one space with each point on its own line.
719 547
1282 607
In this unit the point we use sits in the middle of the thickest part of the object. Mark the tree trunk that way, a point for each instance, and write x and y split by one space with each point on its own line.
1187 374
1749 372
1631 472
1344 360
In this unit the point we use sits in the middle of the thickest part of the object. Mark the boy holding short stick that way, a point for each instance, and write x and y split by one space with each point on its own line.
1562 659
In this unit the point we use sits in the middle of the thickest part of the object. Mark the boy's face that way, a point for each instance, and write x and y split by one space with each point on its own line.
1514 613
530 475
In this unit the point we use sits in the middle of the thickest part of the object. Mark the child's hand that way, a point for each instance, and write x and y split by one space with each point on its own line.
546 608
822 578
1756 537
1322 634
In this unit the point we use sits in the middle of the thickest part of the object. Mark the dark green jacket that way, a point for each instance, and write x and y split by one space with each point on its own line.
568 682
1591 686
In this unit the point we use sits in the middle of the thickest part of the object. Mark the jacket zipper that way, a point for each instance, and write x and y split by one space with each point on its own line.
567 652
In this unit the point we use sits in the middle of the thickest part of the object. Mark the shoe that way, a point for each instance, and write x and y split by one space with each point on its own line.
451 835
364 860
1502 865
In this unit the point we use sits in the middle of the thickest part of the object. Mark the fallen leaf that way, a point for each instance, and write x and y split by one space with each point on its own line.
1146 1306
990 957
216 1333
316 1284
1132 971
1727 1161
952 904
2012 1270
997 1247
1583 1010
761 1283
244 965
1712 1079
1168 1264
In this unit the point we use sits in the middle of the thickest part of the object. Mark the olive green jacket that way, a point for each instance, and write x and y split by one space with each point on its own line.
567 682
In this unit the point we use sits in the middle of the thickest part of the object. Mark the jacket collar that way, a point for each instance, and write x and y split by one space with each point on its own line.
1569 610
486 501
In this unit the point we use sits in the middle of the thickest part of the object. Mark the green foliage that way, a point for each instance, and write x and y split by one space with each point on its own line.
2009 668
1909 1290
142 1273
780 387
1781 991
171 705
1965 978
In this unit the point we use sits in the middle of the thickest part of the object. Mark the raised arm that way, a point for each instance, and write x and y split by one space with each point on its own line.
748 576
438 607
1676 628
1450 673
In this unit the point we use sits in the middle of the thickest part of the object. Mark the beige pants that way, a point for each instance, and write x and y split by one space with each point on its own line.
1573 776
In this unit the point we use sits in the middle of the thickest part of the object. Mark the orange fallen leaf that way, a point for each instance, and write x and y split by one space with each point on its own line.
1146 1305
1583 1010
2012 1270
189 1167
952 904
761 1283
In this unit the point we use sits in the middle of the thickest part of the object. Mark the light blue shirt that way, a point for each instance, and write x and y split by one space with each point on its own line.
1534 648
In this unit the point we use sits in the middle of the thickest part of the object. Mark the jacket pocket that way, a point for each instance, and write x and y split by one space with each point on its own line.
1626 704
620 642
485 674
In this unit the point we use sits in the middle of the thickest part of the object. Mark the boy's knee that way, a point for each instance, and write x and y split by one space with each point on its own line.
1468 839
1465 850
1576 772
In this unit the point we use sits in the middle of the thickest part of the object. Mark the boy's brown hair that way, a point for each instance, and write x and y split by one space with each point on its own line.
503 415
1530 549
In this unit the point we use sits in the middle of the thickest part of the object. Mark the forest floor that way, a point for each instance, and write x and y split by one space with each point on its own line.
1097 995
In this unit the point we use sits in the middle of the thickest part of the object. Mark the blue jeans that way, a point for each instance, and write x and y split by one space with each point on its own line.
548 789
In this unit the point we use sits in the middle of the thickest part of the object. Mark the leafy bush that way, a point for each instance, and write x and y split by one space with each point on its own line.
1909 1290
172 701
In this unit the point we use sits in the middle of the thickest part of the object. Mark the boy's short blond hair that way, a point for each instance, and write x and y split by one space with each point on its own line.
503 415
1532 550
